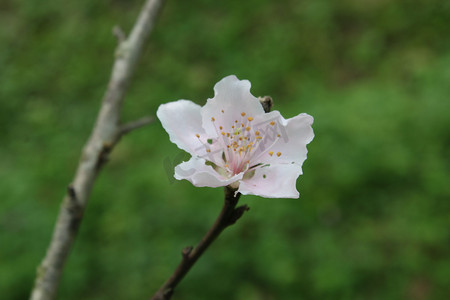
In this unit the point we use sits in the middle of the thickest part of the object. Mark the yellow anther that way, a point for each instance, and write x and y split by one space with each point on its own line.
226 166
235 121
257 132
223 133
197 135
220 127
232 126
248 128
270 153
279 154
243 114
212 119
208 150
259 137
242 124
228 134
223 111
272 123
278 135
250 119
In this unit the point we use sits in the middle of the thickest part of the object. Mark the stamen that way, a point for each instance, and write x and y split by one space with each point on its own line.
244 140
197 135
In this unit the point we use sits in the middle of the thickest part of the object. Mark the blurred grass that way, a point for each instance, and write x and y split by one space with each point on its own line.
373 218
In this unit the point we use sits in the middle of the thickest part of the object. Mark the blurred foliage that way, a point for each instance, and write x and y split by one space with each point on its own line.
373 219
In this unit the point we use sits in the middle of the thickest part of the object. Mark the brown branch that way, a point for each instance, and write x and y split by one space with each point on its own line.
228 216
105 134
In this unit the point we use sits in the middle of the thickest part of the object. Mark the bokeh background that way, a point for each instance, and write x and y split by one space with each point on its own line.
373 218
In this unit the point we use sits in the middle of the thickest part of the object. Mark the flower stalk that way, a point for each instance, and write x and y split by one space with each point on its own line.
228 216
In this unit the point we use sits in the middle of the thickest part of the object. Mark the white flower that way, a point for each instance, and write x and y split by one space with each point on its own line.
234 142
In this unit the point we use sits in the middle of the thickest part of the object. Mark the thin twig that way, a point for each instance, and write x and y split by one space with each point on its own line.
228 216
105 134
127 127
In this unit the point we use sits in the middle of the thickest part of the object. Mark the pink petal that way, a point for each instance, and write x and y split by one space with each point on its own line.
275 181
232 97
294 134
182 121
199 174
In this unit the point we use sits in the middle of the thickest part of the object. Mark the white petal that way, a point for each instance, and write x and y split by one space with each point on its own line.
199 174
182 121
275 181
294 134
231 98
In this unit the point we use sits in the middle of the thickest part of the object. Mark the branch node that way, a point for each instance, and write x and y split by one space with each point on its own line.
237 213
71 192
168 293
74 206
103 155
186 251
266 102
119 34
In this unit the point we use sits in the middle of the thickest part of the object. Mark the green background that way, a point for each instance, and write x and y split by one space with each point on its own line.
373 218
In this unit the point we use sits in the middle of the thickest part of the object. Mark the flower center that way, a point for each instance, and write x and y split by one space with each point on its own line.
242 146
